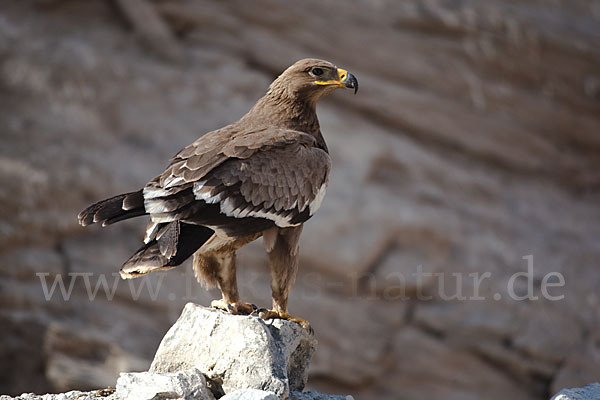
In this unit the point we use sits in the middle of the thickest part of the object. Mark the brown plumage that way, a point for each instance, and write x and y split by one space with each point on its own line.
264 175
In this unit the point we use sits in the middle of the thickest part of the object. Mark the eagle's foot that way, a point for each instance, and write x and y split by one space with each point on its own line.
236 308
271 314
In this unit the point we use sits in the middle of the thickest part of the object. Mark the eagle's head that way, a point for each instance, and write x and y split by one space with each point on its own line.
311 79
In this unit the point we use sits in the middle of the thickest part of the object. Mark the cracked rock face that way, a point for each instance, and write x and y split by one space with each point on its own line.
237 352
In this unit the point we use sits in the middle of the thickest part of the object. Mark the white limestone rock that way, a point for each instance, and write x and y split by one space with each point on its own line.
250 394
189 384
237 352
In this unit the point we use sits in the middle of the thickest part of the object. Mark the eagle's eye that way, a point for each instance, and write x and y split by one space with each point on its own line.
316 71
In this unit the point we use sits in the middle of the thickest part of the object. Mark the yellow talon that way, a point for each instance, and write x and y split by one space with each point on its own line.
271 314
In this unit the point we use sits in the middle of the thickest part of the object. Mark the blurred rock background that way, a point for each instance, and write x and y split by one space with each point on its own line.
473 142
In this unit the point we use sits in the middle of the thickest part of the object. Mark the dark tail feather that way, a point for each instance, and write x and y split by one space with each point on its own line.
115 209
175 244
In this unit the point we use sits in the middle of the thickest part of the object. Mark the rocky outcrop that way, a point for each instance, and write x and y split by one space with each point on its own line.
237 352
472 143
209 354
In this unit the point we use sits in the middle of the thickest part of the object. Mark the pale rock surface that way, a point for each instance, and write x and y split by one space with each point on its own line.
188 384
255 394
590 392
72 395
237 352
250 394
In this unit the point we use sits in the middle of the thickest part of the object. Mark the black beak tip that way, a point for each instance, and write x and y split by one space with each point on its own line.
351 83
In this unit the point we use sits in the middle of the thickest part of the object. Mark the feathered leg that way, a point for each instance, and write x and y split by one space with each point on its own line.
224 270
282 248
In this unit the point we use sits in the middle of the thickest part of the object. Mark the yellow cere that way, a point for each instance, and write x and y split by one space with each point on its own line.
342 74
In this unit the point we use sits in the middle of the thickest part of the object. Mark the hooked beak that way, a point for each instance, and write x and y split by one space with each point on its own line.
345 79
350 82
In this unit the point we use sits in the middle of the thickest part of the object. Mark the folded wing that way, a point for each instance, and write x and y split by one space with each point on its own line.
255 180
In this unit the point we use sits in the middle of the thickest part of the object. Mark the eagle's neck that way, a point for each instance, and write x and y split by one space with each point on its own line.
281 109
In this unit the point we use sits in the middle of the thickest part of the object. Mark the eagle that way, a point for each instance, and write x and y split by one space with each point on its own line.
264 175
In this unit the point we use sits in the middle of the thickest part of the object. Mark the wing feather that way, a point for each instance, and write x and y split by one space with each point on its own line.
295 175
271 174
